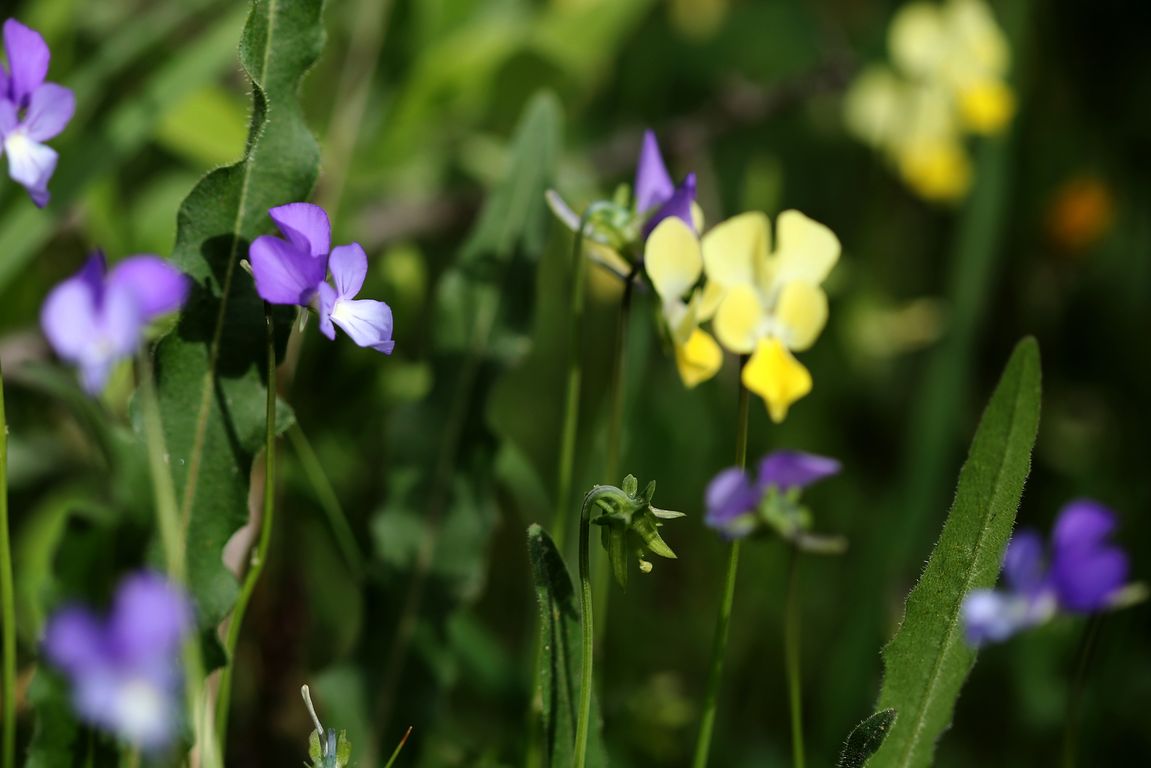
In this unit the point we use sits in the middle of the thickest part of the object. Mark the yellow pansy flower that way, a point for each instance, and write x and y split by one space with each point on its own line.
674 263
768 303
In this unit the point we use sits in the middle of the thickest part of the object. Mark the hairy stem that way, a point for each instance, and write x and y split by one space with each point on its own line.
260 555
723 620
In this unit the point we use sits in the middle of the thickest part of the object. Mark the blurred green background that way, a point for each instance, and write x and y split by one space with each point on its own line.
441 460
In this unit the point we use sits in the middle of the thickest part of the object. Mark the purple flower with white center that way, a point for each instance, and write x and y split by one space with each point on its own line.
656 196
32 111
1083 574
366 321
97 318
734 501
124 668
292 270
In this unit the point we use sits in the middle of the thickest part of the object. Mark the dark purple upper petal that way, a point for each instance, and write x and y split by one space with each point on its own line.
678 205
1023 563
150 619
305 225
1082 523
794 469
729 495
284 272
653 185
1086 580
28 58
349 266
49 110
158 287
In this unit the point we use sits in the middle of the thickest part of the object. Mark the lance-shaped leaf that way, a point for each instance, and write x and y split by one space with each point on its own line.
209 371
559 673
865 739
927 661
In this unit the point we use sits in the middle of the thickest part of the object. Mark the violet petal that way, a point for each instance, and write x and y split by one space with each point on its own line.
28 59
50 109
284 272
729 495
349 266
794 469
1023 564
159 288
305 225
653 185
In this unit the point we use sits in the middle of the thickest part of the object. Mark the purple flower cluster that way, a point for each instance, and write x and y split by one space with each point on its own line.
734 498
96 318
124 668
32 111
293 269
656 196
1082 575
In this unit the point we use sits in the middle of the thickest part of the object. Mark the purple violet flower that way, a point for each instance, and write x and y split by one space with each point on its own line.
733 499
125 668
32 111
1082 575
656 196
292 270
96 318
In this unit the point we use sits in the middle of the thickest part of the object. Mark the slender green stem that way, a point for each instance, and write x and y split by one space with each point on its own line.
574 382
400 746
7 598
172 540
329 501
723 620
619 376
791 659
1079 687
587 633
260 555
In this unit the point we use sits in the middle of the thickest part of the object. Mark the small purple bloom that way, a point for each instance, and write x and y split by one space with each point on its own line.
290 271
1083 574
31 111
794 469
96 318
366 321
732 498
125 668
656 196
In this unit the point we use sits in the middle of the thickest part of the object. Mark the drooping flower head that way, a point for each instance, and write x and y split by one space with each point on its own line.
292 270
124 668
32 111
97 318
738 505
1082 572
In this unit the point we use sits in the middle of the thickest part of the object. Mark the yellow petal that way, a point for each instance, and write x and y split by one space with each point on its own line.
709 299
937 170
672 258
739 318
777 377
735 249
698 359
918 39
874 106
800 314
697 219
979 42
807 249
986 107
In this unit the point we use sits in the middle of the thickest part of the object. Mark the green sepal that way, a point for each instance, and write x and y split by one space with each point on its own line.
646 528
615 542
343 750
315 751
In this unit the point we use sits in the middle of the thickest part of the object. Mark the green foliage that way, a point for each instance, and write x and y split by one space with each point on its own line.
210 377
928 660
866 738
559 660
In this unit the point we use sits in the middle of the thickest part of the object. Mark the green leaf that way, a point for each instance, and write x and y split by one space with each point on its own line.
559 659
516 211
927 661
210 371
866 738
